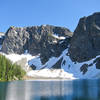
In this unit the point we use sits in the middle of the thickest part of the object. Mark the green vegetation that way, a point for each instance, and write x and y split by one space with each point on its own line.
50 35
9 71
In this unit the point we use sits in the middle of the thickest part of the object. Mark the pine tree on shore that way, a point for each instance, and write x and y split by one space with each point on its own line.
9 71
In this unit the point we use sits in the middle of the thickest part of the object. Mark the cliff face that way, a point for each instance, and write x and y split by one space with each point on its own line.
85 43
46 40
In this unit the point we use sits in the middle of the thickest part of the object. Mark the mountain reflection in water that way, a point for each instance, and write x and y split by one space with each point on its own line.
50 90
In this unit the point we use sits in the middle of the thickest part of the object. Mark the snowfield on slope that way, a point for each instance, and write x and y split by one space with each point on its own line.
74 68
69 69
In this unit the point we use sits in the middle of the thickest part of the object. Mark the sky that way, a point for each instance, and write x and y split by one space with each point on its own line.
65 13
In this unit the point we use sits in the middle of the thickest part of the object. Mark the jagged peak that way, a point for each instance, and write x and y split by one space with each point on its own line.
44 25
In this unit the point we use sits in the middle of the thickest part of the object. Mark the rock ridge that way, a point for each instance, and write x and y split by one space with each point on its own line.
46 40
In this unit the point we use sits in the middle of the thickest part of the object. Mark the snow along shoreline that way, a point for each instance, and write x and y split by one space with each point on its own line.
50 74
58 74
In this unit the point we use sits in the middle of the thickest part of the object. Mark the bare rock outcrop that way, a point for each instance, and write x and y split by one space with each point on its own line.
45 40
85 43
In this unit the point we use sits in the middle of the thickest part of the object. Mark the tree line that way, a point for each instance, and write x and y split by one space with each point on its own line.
10 71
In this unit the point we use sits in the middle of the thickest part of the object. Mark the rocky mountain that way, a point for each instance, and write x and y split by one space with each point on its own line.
82 57
44 40
55 52
85 43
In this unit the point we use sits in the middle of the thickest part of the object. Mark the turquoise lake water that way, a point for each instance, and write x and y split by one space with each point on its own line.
50 90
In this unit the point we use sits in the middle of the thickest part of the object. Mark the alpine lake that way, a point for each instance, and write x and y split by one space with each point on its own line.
51 90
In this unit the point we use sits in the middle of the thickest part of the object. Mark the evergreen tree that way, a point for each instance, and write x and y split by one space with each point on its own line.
9 71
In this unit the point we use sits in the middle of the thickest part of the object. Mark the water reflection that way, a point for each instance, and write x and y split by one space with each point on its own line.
3 87
50 90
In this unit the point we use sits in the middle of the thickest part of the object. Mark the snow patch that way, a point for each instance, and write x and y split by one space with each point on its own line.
35 61
26 52
47 73
58 37
74 68
61 42
16 57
